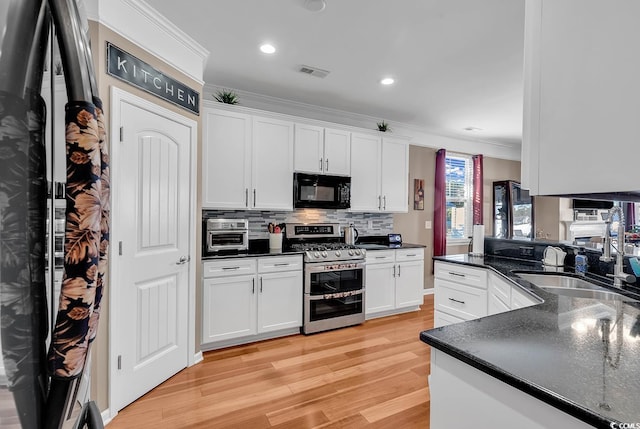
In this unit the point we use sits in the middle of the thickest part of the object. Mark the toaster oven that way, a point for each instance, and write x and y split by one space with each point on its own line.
226 235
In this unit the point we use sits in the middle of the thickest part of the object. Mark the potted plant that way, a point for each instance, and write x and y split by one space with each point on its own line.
226 96
383 126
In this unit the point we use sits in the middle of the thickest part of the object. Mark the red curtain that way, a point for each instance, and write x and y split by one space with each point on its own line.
478 185
440 206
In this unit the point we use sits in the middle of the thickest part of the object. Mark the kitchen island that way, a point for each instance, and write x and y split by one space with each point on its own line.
547 365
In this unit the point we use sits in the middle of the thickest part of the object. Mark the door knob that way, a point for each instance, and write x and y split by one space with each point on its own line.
183 260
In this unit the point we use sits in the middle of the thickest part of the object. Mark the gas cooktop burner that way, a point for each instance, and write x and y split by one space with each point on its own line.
319 242
311 247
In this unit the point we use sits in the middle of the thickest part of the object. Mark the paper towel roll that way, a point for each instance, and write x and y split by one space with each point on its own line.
478 240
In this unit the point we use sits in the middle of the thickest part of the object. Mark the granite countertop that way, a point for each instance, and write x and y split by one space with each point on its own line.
376 246
251 253
554 350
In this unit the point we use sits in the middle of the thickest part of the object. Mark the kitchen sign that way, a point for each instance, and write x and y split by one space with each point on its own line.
126 67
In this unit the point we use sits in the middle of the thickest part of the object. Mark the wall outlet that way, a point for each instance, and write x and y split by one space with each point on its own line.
427 224
370 224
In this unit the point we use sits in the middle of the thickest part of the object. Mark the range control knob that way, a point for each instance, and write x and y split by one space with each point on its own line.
358 252
316 254
338 253
350 252
324 254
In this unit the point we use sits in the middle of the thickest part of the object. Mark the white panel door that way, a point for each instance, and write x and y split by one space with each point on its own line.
395 176
226 160
337 152
365 173
152 216
228 308
409 284
308 153
380 288
279 301
272 164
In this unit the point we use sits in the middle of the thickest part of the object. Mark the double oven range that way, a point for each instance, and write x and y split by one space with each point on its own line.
334 276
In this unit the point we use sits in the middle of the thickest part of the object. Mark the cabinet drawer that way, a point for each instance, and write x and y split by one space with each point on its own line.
229 267
273 264
460 301
500 288
444 319
409 255
469 276
380 256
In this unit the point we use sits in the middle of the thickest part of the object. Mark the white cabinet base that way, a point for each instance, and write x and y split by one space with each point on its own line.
463 396
251 339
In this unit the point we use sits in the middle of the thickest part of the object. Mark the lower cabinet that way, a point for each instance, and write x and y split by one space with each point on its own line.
245 297
465 293
394 281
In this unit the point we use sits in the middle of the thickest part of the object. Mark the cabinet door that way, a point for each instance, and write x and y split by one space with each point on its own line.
395 176
272 164
226 164
228 308
409 284
496 304
464 302
521 299
308 149
444 319
337 152
279 301
379 289
365 173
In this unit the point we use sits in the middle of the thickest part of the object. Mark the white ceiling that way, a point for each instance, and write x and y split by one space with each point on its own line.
457 63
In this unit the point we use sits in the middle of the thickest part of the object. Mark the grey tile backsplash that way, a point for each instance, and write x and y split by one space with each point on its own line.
382 223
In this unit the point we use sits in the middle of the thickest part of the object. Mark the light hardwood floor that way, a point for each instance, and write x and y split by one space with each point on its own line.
372 375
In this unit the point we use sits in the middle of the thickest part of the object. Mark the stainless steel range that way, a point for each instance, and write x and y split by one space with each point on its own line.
334 274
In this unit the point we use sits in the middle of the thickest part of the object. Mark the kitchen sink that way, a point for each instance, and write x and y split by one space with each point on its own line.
572 286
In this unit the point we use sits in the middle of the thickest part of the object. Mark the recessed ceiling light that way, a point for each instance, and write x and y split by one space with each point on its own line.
387 81
472 129
267 48
315 5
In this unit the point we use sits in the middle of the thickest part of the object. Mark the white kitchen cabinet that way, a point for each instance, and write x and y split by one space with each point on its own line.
395 176
279 293
272 164
247 161
521 299
250 299
366 156
226 160
581 96
394 281
379 174
499 294
322 150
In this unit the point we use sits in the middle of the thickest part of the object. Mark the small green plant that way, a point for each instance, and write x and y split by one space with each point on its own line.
383 126
228 97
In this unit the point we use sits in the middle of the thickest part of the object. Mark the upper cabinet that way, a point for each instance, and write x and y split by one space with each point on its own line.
581 96
247 161
379 174
322 150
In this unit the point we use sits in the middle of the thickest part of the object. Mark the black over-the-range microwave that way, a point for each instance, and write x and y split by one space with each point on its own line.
321 191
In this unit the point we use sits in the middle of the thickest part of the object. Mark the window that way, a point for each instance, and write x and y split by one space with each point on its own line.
459 193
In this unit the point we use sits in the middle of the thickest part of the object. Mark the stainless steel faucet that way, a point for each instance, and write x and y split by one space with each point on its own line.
618 274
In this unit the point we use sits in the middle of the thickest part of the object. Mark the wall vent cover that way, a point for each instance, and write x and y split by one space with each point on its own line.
313 71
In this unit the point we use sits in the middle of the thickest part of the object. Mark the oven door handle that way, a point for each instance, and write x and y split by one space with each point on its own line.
321 268
348 294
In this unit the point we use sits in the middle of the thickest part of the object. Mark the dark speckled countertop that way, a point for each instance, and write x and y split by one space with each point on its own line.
554 350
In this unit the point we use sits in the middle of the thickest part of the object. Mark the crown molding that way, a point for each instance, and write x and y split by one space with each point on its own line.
138 22
419 136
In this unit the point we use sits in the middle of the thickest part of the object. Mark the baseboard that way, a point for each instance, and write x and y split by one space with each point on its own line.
428 291
197 358
106 417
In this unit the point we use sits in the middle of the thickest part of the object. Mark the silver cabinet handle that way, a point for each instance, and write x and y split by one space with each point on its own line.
456 274
260 284
230 268
253 285
455 300
379 202
398 270
246 197
183 260
326 168
381 257
284 264
410 255
254 197
320 164
394 271
384 206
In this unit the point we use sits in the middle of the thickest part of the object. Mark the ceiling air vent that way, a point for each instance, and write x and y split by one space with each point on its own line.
313 71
